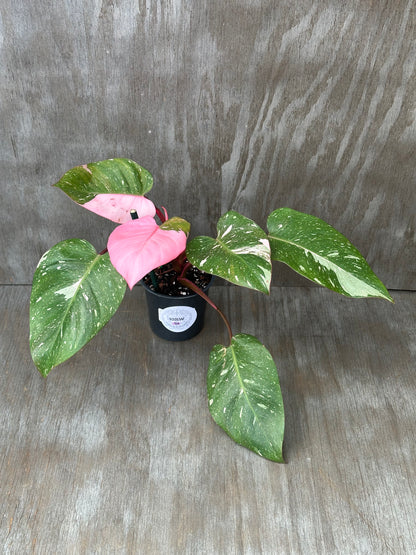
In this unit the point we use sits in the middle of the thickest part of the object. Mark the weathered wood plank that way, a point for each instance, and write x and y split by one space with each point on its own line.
244 105
116 452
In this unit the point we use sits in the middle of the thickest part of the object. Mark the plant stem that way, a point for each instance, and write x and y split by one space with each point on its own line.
191 285
160 215
179 263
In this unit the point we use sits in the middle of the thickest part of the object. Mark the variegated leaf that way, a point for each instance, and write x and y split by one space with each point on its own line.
116 176
177 224
240 253
322 254
75 292
244 395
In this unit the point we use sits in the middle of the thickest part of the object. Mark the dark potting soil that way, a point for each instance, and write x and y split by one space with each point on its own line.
166 278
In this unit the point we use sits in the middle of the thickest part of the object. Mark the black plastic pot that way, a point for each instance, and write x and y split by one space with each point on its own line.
175 318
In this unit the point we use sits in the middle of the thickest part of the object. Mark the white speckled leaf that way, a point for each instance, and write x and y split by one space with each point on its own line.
322 254
240 253
244 395
75 292
116 175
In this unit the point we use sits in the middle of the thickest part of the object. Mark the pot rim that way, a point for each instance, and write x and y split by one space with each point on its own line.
163 296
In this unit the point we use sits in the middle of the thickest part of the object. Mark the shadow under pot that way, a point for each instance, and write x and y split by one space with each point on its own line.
175 318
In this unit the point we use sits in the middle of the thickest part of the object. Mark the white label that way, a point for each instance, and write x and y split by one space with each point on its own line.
177 318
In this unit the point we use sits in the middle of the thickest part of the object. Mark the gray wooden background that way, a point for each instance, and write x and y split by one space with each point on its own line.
244 104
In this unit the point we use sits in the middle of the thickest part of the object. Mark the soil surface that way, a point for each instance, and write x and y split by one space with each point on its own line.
167 283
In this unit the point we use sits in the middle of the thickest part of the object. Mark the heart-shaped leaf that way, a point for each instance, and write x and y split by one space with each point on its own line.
115 176
240 253
244 395
322 254
75 292
118 207
139 246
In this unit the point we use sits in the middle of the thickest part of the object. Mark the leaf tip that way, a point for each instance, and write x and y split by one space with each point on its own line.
43 371
389 298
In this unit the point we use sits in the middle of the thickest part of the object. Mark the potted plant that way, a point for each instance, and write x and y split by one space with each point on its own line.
77 290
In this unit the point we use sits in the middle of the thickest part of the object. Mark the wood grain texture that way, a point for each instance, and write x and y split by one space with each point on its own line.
115 452
244 105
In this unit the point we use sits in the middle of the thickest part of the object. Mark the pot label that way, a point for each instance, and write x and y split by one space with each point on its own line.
177 318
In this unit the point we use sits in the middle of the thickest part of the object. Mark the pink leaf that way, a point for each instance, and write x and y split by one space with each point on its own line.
116 207
139 246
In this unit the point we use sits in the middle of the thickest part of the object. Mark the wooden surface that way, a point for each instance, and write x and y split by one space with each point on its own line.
115 452
244 104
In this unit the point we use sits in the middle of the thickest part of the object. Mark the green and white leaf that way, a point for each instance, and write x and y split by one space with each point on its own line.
322 254
115 176
240 253
75 293
244 395
177 224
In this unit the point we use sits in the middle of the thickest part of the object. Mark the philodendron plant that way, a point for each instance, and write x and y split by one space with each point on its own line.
77 290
